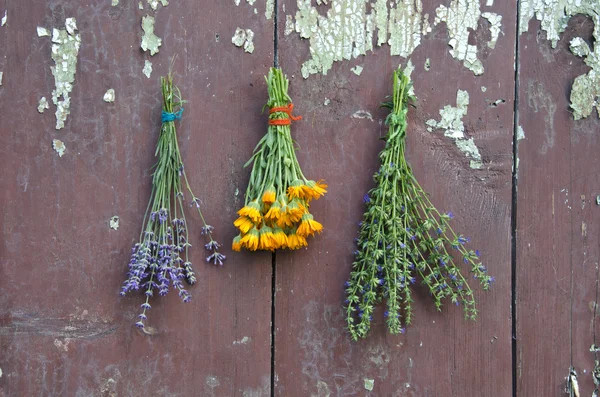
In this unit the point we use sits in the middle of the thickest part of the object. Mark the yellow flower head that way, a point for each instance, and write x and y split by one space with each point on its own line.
269 195
250 240
296 190
274 212
237 243
291 214
266 239
296 241
252 211
280 238
309 226
244 224
314 190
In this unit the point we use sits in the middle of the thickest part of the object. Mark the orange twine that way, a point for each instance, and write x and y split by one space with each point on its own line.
284 109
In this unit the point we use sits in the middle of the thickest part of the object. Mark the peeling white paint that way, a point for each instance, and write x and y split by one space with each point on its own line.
244 341
554 16
326 102
405 27
369 384
495 21
4 18
289 25
427 65
236 2
150 41
520 133
269 8
115 3
345 33
483 88
452 124
41 31
140 5
362 114
43 105
1 77
348 28
357 70
154 3
489 3
460 16
109 96
244 38
147 68
114 222
251 2
322 389
59 146
65 49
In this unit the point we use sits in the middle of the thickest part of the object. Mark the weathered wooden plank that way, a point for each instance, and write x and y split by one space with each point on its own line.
557 225
441 354
63 330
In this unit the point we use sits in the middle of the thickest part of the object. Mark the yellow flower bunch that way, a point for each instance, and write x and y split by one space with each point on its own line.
276 212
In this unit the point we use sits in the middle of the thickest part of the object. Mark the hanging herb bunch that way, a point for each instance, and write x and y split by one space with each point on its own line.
404 238
160 260
276 211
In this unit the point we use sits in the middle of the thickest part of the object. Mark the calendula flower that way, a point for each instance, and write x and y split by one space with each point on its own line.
296 241
278 194
280 238
274 212
309 226
296 190
250 240
402 237
269 195
237 243
252 211
159 261
314 190
266 241
244 223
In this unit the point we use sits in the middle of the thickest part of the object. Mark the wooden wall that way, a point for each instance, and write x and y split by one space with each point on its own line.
272 324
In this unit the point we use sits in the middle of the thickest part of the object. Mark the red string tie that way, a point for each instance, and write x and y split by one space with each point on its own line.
284 109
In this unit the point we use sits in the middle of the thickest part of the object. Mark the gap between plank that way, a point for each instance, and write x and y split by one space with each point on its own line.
513 218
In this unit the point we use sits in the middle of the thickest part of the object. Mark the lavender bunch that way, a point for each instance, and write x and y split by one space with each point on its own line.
160 260
404 237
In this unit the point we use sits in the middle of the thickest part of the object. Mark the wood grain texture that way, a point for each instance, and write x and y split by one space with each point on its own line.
63 329
557 225
441 354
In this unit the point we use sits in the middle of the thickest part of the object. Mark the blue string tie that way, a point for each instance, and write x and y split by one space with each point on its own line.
167 116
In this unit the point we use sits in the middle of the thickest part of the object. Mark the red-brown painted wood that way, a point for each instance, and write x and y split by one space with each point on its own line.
64 331
441 354
557 225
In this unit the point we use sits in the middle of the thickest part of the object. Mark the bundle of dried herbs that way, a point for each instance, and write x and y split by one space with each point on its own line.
160 260
403 237
276 211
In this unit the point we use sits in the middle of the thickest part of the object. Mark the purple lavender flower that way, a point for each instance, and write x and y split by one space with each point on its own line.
477 253
212 245
139 324
206 229
450 215
366 199
216 258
